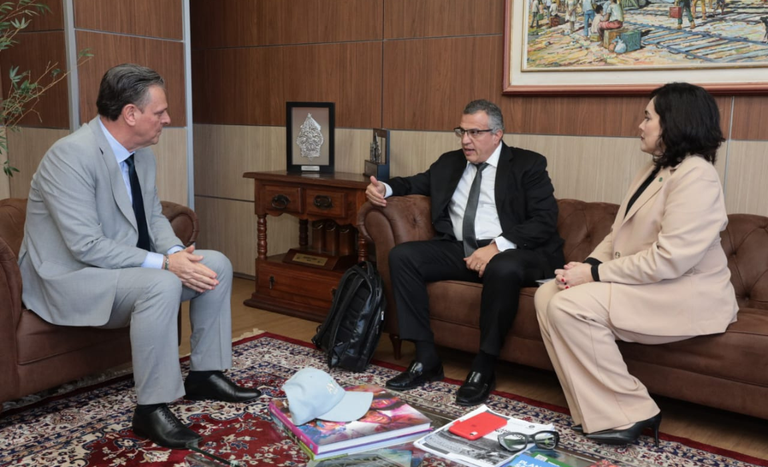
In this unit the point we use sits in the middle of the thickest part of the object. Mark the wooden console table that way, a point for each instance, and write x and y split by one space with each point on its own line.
301 282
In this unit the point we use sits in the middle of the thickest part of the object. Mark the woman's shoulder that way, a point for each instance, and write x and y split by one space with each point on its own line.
695 165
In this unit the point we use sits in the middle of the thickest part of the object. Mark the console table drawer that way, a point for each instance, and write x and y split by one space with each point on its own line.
281 280
326 202
282 198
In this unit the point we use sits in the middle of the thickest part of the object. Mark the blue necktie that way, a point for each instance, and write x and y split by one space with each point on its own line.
138 205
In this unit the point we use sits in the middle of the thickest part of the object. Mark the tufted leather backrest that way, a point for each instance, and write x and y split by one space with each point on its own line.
745 242
583 225
13 214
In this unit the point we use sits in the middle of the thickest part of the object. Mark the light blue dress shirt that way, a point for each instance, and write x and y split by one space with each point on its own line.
153 260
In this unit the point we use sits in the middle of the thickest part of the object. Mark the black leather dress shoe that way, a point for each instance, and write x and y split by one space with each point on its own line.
217 387
628 435
415 376
476 388
163 428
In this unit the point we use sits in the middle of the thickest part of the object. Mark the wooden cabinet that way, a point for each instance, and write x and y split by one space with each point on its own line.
301 281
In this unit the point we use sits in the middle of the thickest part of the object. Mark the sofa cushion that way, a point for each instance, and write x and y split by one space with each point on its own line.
733 355
38 340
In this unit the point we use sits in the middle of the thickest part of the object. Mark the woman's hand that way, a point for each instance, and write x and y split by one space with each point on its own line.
573 274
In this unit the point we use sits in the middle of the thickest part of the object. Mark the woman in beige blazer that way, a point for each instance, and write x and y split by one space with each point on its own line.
659 276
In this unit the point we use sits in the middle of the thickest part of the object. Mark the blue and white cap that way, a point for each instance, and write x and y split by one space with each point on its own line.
313 393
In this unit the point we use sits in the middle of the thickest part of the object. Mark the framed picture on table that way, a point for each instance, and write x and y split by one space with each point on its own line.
310 133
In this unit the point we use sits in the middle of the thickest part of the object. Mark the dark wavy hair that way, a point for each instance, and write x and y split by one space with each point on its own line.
125 84
690 123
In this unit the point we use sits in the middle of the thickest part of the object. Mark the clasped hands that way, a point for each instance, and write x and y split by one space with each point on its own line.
480 258
573 274
193 274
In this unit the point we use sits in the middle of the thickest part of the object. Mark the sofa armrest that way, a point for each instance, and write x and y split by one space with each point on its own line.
10 313
183 221
405 219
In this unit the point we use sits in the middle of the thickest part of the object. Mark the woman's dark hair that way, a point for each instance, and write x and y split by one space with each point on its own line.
690 123
125 84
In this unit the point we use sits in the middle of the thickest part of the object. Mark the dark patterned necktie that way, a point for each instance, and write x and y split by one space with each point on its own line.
138 205
468 225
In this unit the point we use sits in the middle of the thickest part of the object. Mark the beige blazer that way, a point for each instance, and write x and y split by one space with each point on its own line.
668 271
81 229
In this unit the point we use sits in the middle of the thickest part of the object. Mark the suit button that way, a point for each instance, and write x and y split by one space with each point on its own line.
617 254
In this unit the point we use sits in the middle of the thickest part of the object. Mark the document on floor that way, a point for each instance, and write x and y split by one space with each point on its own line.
482 452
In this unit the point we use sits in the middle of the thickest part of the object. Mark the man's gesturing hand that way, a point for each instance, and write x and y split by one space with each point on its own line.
375 192
193 274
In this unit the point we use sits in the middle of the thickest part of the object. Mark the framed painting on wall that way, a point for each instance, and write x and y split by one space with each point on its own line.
634 46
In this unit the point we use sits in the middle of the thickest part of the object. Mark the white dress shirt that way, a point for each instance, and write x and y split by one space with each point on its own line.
487 223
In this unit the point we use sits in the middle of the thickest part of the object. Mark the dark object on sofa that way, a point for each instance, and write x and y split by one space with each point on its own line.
726 371
36 355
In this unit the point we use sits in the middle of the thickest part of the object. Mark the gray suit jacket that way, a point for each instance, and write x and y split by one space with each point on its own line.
81 229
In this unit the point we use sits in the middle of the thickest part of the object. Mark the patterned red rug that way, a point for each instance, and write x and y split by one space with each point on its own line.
90 426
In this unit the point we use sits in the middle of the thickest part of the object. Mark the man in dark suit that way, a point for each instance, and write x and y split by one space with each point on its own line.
496 217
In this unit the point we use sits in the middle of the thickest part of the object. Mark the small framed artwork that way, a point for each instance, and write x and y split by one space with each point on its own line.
309 130
377 163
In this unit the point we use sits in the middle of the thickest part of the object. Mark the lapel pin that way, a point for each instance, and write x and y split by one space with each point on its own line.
661 178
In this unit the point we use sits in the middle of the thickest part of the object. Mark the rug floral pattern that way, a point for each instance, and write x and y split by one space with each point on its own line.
91 426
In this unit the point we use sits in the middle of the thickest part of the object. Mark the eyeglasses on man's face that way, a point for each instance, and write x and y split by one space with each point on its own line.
472 132
518 441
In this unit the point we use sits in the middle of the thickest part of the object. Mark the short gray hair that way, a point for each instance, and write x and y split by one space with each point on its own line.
495 118
125 84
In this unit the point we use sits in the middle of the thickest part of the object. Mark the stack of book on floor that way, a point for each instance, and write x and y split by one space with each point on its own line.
389 422
486 451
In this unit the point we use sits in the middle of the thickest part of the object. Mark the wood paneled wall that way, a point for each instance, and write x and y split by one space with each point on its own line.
410 66
152 18
41 45
435 55
147 32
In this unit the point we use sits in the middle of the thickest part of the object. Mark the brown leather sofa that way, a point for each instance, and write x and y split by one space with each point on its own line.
727 371
36 355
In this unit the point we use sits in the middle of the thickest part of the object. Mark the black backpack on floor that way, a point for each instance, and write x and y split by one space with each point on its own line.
352 329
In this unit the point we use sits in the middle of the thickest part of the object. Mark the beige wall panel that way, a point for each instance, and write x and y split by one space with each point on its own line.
26 149
171 155
352 148
414 151
586 168
747 173
229 226
224 152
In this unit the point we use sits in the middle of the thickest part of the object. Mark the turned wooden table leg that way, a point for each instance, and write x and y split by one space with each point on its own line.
261 229
362 249
396 345
303 237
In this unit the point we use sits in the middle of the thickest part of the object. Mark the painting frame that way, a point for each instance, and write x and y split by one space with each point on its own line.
321 119
620 82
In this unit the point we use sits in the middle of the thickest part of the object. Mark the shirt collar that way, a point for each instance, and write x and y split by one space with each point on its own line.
493 161
121 154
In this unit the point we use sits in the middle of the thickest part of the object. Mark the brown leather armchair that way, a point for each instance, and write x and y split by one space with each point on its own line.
726 371
36 355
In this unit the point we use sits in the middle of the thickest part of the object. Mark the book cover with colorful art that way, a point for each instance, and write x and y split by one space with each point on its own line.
389 417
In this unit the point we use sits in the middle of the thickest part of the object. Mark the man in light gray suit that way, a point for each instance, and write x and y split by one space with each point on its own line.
97 251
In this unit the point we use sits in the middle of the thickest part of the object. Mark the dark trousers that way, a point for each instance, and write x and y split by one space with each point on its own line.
414 264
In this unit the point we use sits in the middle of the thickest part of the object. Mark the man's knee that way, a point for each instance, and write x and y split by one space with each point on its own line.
217 262
505 269
401 255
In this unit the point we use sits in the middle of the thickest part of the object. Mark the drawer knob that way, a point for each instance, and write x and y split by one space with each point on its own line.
280 202
323 202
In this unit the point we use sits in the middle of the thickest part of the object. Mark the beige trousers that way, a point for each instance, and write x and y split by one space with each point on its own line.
581 342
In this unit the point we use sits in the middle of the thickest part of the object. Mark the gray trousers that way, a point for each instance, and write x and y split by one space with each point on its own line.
148 301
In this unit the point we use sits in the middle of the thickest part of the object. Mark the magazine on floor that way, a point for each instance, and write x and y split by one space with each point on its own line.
482 452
